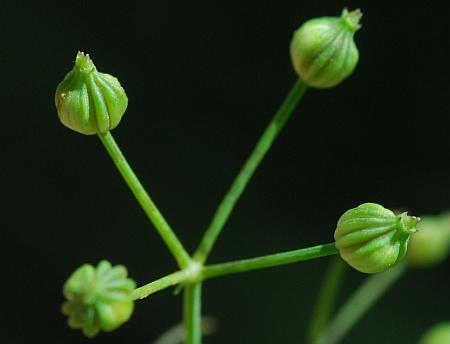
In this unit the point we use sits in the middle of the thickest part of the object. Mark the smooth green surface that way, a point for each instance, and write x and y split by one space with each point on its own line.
149 207
263 145
437 334
160 284
268 261
325 301
192 313
359 303
431 244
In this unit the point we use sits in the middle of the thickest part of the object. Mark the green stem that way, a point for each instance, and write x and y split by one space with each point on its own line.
150 209
265 142
326 299
358 304
192 313
160 284
268 261
196 273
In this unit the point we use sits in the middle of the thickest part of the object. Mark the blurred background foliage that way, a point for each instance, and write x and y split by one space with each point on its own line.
203 79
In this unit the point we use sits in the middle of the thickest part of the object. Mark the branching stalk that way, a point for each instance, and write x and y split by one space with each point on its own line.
195 273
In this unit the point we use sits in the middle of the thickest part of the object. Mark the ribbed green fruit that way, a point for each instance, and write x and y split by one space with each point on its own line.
371 238
88 101
323 51
98 298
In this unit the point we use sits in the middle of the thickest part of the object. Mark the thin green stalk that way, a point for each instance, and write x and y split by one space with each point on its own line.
192 313
268 261
150 209
160 284
197 273
265 142
326 299
358 304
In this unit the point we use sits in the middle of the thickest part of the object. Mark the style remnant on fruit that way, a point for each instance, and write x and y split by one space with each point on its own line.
323 51
98 298
88 101
371 238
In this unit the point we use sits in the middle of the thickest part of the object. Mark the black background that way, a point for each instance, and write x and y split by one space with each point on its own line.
203 79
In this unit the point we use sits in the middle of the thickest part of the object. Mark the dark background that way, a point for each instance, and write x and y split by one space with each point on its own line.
203 79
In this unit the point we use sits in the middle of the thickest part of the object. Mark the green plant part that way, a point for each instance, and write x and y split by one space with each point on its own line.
323 51
88 101
438 334
371 238
98 298
431 244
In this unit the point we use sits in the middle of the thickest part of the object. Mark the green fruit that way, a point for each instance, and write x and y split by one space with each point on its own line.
98 298
438 334
431 244
112 315
323 51
88 101
371 238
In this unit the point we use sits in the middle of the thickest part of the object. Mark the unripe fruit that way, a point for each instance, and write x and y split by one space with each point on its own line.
88 101
371 238
98 298
323 51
